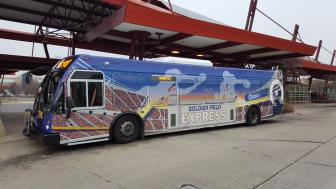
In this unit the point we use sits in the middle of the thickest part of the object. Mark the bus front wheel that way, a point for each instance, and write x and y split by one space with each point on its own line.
126 129
253 116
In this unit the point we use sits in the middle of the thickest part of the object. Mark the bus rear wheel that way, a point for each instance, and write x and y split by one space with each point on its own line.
253 116
126 129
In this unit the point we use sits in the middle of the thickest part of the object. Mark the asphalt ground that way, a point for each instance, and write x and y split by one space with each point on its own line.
293 151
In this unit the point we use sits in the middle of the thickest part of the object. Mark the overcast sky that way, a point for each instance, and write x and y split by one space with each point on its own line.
316 20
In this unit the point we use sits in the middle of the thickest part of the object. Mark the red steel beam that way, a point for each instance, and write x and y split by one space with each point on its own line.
174 38
107 24
252 52
286 56
26 59
7 72
14 62
318 67
220 46
145 15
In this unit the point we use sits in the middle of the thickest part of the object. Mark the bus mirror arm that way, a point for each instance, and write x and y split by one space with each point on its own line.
69 106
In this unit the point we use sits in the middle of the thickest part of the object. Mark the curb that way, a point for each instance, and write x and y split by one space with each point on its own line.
2 129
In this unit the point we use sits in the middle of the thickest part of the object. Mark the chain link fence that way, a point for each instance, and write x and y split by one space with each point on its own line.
298 94
301 94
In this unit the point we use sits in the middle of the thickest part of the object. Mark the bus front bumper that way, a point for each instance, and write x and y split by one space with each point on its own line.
48 138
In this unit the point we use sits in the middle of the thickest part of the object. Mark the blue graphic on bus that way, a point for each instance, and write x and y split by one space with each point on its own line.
257 95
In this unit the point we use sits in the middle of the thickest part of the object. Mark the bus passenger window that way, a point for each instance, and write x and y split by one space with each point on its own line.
95 92
78 93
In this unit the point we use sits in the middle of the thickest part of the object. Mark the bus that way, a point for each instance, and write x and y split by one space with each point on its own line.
85 99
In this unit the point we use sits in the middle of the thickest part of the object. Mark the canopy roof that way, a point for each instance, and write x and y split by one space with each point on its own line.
112 26
317 69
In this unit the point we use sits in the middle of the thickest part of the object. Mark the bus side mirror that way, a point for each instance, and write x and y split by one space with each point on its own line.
69 105
28 78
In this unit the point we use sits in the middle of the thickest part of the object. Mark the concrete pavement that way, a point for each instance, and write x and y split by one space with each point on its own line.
15 107
295 151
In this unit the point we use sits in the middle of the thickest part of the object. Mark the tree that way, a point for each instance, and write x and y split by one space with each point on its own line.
32 88
15 88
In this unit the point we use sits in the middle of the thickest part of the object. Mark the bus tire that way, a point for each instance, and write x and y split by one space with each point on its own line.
253 116
126 129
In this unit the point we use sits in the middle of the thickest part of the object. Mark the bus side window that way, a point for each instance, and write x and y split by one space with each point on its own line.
86 89
95 93
78 93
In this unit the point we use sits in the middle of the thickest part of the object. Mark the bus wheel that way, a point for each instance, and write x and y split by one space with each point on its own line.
126 129
253 116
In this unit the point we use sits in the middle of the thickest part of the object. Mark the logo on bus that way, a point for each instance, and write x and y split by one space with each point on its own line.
204 113
277 93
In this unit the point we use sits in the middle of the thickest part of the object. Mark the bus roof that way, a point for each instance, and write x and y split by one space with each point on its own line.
127 65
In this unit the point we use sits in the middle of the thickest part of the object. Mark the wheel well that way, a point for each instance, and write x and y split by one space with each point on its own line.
133 114
254 106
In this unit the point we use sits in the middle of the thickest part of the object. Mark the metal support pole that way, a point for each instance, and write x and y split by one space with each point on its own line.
296 32
33 47
143 42
171 6
248 19
326 82
45 46
73 51
138 44
142 49
310 82
285 75
2 79
251 15
73 48
333 58
133 45
318 50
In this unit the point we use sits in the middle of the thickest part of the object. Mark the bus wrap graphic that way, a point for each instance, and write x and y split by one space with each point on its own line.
257 95
167 97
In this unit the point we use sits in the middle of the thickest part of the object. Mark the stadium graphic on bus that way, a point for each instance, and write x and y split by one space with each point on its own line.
87 99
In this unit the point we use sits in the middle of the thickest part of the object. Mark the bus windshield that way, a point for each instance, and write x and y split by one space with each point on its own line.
47 91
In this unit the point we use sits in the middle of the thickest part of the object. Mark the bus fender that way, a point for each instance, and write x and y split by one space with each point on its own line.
251 106
142 125
254 105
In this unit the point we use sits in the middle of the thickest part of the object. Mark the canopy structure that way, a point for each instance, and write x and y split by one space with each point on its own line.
193 37
317 70
142 30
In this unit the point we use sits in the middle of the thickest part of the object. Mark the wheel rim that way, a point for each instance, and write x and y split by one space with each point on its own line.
254 116
127 129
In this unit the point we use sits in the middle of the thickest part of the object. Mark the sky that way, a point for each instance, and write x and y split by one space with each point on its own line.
316 20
